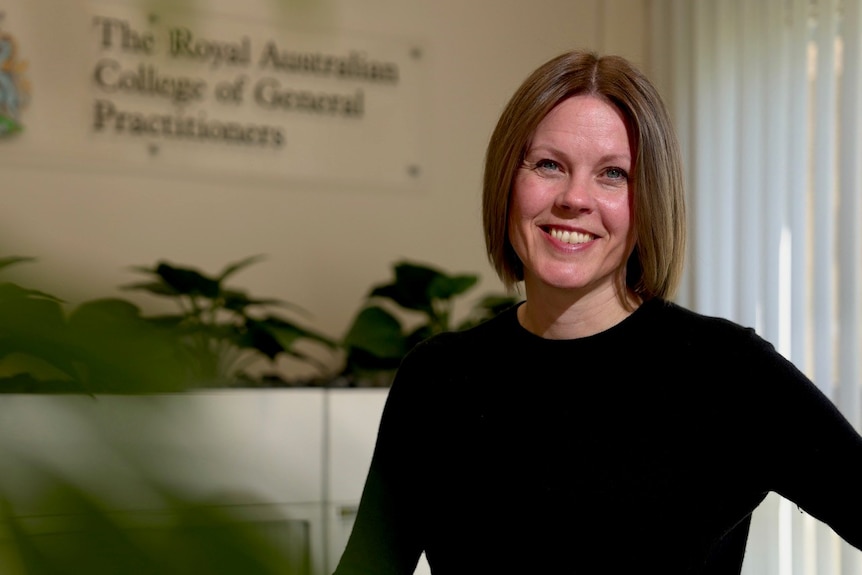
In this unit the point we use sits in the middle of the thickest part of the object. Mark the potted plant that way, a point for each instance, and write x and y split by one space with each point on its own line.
417 303
223 329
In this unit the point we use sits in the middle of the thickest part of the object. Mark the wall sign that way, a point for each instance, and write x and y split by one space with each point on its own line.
205 93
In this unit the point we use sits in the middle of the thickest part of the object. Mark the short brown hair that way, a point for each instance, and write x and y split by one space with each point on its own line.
655 265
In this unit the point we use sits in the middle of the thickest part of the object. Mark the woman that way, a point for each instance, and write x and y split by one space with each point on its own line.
595 427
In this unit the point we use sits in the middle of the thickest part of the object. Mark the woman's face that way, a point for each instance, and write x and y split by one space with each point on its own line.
570 211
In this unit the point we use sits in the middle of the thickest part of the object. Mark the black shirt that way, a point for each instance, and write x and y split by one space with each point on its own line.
643 448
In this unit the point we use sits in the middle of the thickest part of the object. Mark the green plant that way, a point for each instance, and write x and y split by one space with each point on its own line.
101 346
420 301
224 330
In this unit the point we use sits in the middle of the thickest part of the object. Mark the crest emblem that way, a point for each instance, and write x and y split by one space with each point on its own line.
14 87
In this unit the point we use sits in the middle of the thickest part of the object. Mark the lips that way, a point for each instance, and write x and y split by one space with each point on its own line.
570 237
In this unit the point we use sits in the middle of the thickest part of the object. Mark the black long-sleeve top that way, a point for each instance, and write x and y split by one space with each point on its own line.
644 448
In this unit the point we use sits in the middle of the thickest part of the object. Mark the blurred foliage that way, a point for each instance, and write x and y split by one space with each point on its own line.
420 301
77 532
101 346
108 346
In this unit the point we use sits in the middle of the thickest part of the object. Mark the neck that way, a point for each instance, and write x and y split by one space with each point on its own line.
568 316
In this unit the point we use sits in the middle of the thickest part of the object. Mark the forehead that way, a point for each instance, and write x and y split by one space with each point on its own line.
584 118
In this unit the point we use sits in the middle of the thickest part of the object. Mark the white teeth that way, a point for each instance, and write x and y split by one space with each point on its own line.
570 237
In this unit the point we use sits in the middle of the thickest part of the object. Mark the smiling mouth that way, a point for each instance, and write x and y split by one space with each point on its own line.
568 237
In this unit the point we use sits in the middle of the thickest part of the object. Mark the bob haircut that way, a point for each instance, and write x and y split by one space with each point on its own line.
657 243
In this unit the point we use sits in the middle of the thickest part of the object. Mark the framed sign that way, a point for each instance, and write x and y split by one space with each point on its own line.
199 93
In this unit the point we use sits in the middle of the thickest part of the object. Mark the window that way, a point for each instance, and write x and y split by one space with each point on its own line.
767 101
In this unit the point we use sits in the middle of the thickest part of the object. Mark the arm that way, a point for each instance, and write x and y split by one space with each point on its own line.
817 460
386 535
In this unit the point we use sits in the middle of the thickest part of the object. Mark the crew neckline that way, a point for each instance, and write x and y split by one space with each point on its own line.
627 324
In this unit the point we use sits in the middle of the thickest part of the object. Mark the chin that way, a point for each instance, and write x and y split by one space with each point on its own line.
563 283
576 282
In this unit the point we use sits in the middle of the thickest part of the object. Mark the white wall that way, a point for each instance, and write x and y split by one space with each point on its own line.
326 246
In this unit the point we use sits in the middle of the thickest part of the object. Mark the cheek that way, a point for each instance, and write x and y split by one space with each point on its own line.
525 201
519 218
513 227
515 207
618 215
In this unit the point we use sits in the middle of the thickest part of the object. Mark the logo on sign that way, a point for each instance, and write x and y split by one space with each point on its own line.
14 87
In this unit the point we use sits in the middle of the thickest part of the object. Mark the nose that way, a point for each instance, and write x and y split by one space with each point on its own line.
575 195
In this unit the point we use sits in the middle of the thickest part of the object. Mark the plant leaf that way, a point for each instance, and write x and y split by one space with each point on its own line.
106 310
289 332
12 260
486 308
377 332
446 287
24 316
157 288
234 267
10 292
35 327
167 321
122 351
258 336
496 302
410 289
236 300
188 281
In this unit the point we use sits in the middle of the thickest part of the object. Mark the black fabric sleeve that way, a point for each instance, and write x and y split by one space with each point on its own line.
386 537
813 455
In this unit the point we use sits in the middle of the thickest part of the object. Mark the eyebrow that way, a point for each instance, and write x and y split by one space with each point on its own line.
607 158
624 158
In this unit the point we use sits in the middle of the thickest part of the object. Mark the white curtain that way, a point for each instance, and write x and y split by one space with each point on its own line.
767 100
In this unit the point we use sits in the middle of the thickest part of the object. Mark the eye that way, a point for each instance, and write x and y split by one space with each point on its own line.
616 174
546 164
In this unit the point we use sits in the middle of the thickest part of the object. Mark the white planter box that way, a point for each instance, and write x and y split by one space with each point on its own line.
239 446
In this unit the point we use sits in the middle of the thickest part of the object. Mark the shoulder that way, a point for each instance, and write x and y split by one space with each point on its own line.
468 342
686 327
436 367
683 317
733 355
447 357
